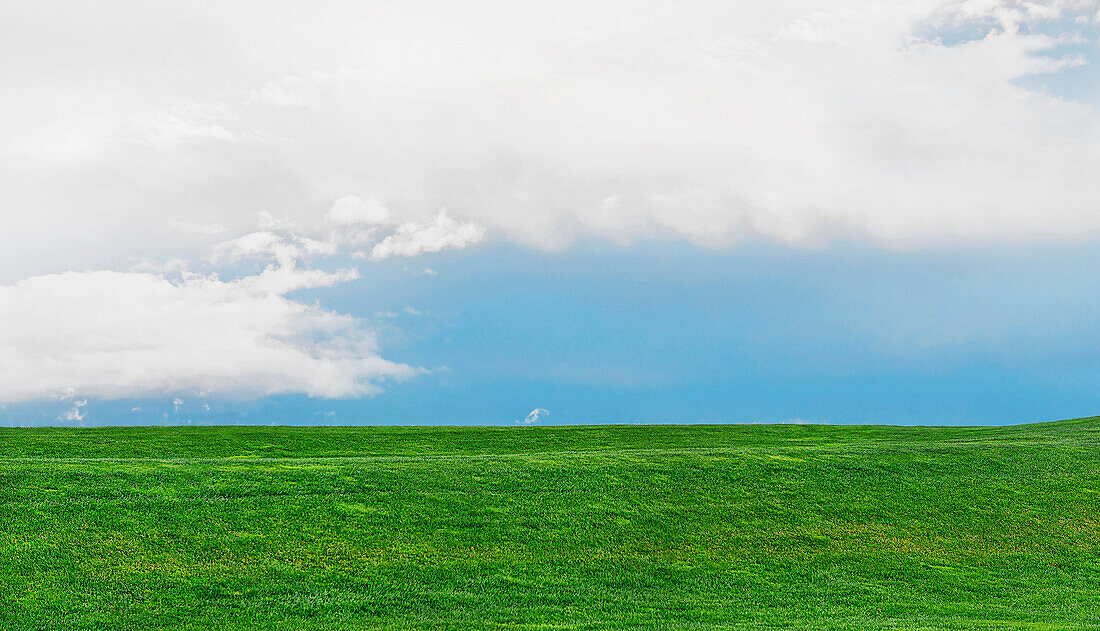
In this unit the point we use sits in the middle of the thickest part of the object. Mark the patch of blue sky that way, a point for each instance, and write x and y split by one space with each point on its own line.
953 34
1079 83
671 333
1078 41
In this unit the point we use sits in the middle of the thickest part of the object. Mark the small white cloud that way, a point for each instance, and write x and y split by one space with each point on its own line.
263 243
76 413
534 416
286 248
278 238
177 403
413 311
441 232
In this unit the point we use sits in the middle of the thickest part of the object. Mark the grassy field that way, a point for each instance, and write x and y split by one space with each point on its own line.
657 527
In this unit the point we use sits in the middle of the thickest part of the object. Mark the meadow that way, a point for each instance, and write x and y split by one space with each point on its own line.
599 527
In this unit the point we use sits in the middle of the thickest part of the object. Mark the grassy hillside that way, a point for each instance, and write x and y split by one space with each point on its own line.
670 527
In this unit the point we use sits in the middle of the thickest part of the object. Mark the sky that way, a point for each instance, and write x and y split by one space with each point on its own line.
549 212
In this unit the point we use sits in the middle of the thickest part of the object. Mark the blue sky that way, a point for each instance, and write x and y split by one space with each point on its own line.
668 332
870 211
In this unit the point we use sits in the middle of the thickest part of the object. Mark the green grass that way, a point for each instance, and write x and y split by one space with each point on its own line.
657 527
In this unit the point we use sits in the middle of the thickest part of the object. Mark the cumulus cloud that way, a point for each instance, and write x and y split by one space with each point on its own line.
415 238
121 334
109 334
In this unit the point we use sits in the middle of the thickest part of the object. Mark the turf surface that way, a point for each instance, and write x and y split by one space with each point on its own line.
658 527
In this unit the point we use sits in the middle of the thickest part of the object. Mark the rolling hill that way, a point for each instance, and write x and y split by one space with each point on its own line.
596 527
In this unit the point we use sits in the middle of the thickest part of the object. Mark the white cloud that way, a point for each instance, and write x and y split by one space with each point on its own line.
108 334
123 334
76 413
280 240
1010 15
798 121
415 238
534 416
351 222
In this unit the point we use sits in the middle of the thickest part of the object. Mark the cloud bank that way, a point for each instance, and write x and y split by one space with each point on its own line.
130 334
903 124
